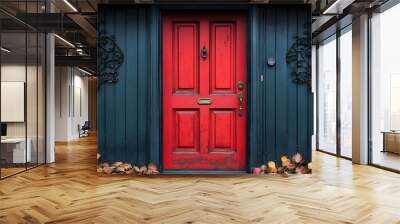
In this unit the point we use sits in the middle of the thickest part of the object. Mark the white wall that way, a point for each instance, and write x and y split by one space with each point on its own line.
80 111
61 103
71 102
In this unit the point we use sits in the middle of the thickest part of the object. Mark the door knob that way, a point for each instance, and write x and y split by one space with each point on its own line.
240 85
204 53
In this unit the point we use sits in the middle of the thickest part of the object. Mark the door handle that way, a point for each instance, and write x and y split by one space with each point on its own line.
240 96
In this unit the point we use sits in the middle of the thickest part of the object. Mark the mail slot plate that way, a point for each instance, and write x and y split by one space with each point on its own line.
204 101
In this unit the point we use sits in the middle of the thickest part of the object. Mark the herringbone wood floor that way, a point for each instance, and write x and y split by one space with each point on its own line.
70 191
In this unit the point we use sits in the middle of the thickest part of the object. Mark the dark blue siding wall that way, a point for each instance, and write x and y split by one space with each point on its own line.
281 111
129 112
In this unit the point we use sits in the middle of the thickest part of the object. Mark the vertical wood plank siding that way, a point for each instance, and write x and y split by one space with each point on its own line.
280 117
130 110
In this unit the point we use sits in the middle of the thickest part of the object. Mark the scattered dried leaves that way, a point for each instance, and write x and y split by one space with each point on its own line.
126 168
295 165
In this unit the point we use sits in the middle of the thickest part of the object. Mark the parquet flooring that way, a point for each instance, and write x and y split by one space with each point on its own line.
70 191
10 171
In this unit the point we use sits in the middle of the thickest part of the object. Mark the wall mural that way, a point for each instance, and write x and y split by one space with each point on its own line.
299 57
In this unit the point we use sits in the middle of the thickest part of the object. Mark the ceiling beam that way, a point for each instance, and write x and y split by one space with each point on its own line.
81 61
80 20
86 27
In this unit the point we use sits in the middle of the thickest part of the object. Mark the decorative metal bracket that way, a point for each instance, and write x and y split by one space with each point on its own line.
110 59
299 57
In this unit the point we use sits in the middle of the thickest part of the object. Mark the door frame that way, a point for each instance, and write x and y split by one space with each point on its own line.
218 8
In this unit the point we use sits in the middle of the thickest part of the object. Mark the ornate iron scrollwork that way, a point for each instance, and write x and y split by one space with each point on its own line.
110 58
299 57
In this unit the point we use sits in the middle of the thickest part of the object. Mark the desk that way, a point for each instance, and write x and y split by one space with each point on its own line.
15 148
391 141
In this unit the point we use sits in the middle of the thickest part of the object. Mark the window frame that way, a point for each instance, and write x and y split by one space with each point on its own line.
334 37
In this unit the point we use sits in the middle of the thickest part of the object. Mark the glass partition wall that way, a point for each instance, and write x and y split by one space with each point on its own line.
385 89
22 78
334 94
345 91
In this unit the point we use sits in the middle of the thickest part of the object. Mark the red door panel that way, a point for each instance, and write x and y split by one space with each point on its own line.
222 55
186 131
204 60
223 131
185 48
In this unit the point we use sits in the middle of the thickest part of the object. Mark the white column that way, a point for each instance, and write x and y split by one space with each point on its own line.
50 100
360 90
314 91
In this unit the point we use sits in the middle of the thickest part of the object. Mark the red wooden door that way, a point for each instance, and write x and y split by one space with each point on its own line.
204 62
